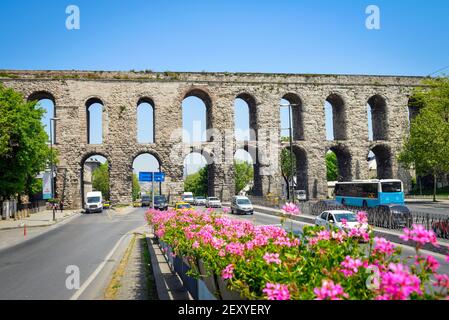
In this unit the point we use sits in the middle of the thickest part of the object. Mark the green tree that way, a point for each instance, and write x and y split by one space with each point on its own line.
197 182
427 147
136 187
287 163
331 165
100 180
23 143
244 174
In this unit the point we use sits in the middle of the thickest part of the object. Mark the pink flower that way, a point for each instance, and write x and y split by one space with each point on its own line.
398 283
344 222
330 291
272 258
291 209
362 217
235 248
351 266
383 246
442 280
420 235
228 272
276 291
432 263
226 209
195 245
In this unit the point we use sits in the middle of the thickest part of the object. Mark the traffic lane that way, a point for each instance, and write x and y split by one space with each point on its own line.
438 208
36 269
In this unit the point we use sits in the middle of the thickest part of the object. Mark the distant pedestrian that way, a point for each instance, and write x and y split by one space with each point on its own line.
61 205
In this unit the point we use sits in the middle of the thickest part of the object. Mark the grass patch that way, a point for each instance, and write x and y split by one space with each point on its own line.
149 275
111 291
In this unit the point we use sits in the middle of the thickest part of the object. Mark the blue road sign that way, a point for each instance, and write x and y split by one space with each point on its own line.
149 176
146 176
159 176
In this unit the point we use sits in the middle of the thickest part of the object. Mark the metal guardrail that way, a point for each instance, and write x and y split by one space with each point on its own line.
377 217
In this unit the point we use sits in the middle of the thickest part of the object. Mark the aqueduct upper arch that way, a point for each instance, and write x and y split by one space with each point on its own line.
70 91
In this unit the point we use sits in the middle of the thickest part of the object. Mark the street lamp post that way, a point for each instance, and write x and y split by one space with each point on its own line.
291 193
51 164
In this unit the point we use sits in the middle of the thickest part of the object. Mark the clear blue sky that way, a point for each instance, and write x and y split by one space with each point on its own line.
255 36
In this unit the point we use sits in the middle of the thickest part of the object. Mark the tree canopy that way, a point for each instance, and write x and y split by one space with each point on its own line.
197 182
24 152
427 147
331 166
244 174
136 187
100 180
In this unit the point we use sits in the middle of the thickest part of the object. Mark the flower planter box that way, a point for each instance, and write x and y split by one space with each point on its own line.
209 279
189 283
227 294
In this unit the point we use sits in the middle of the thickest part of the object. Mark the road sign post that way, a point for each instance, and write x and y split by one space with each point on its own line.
152 177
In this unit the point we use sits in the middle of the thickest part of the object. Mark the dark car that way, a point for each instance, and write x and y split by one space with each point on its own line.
394 216
324 205
160 202
146 201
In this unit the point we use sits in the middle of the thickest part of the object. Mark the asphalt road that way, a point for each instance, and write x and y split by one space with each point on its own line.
36 268
429 207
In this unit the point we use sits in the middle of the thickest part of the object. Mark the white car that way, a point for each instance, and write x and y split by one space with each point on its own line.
336 218
94 202
213 202
200 201
241 205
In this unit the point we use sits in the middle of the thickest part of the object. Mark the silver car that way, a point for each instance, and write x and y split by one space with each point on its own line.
213 202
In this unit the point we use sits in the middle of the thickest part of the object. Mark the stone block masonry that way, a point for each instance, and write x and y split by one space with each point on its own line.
120 93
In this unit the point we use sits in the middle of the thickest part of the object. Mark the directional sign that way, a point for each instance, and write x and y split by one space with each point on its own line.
146 176
150 176
159 176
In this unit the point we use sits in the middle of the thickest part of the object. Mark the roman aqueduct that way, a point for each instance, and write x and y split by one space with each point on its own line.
72 92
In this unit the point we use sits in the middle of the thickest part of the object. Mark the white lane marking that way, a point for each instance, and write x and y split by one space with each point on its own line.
97 271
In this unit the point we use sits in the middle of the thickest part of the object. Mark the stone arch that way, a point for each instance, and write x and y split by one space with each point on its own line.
379 117
301 169
82 174
344 161
205 96
45 95
384 161
414 106
89 102
251 102
210 164
252 150
339 117
153 154
297 114
150 102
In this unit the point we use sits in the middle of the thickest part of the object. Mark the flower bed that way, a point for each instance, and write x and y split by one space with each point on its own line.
267 262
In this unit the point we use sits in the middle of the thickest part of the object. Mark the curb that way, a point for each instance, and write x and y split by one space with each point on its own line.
43 225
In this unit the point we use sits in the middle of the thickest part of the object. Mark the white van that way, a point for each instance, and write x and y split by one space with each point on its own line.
94 202
241 205
188 197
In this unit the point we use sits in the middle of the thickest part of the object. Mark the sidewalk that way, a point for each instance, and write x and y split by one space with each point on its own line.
40 219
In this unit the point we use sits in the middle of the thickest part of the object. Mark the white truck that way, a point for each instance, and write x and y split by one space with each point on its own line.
94 202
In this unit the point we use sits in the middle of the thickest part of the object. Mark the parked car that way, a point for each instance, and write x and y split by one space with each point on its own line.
335 219
323 205
213 202
241 205
182 206
160 202
200 201
146 201
398 216
94 202
137 203
188 197
441 228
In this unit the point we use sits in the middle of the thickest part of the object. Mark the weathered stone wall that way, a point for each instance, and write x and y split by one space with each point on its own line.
120 93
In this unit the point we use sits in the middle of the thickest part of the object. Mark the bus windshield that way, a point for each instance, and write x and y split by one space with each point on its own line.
391 186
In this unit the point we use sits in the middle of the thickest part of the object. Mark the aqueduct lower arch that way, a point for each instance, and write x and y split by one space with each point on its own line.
119 91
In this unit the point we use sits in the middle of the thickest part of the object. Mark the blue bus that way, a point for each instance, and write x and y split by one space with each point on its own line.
370 193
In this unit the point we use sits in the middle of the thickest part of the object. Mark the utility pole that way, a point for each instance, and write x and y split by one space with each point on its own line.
51 163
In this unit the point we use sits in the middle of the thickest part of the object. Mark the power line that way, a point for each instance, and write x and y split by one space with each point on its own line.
439 70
